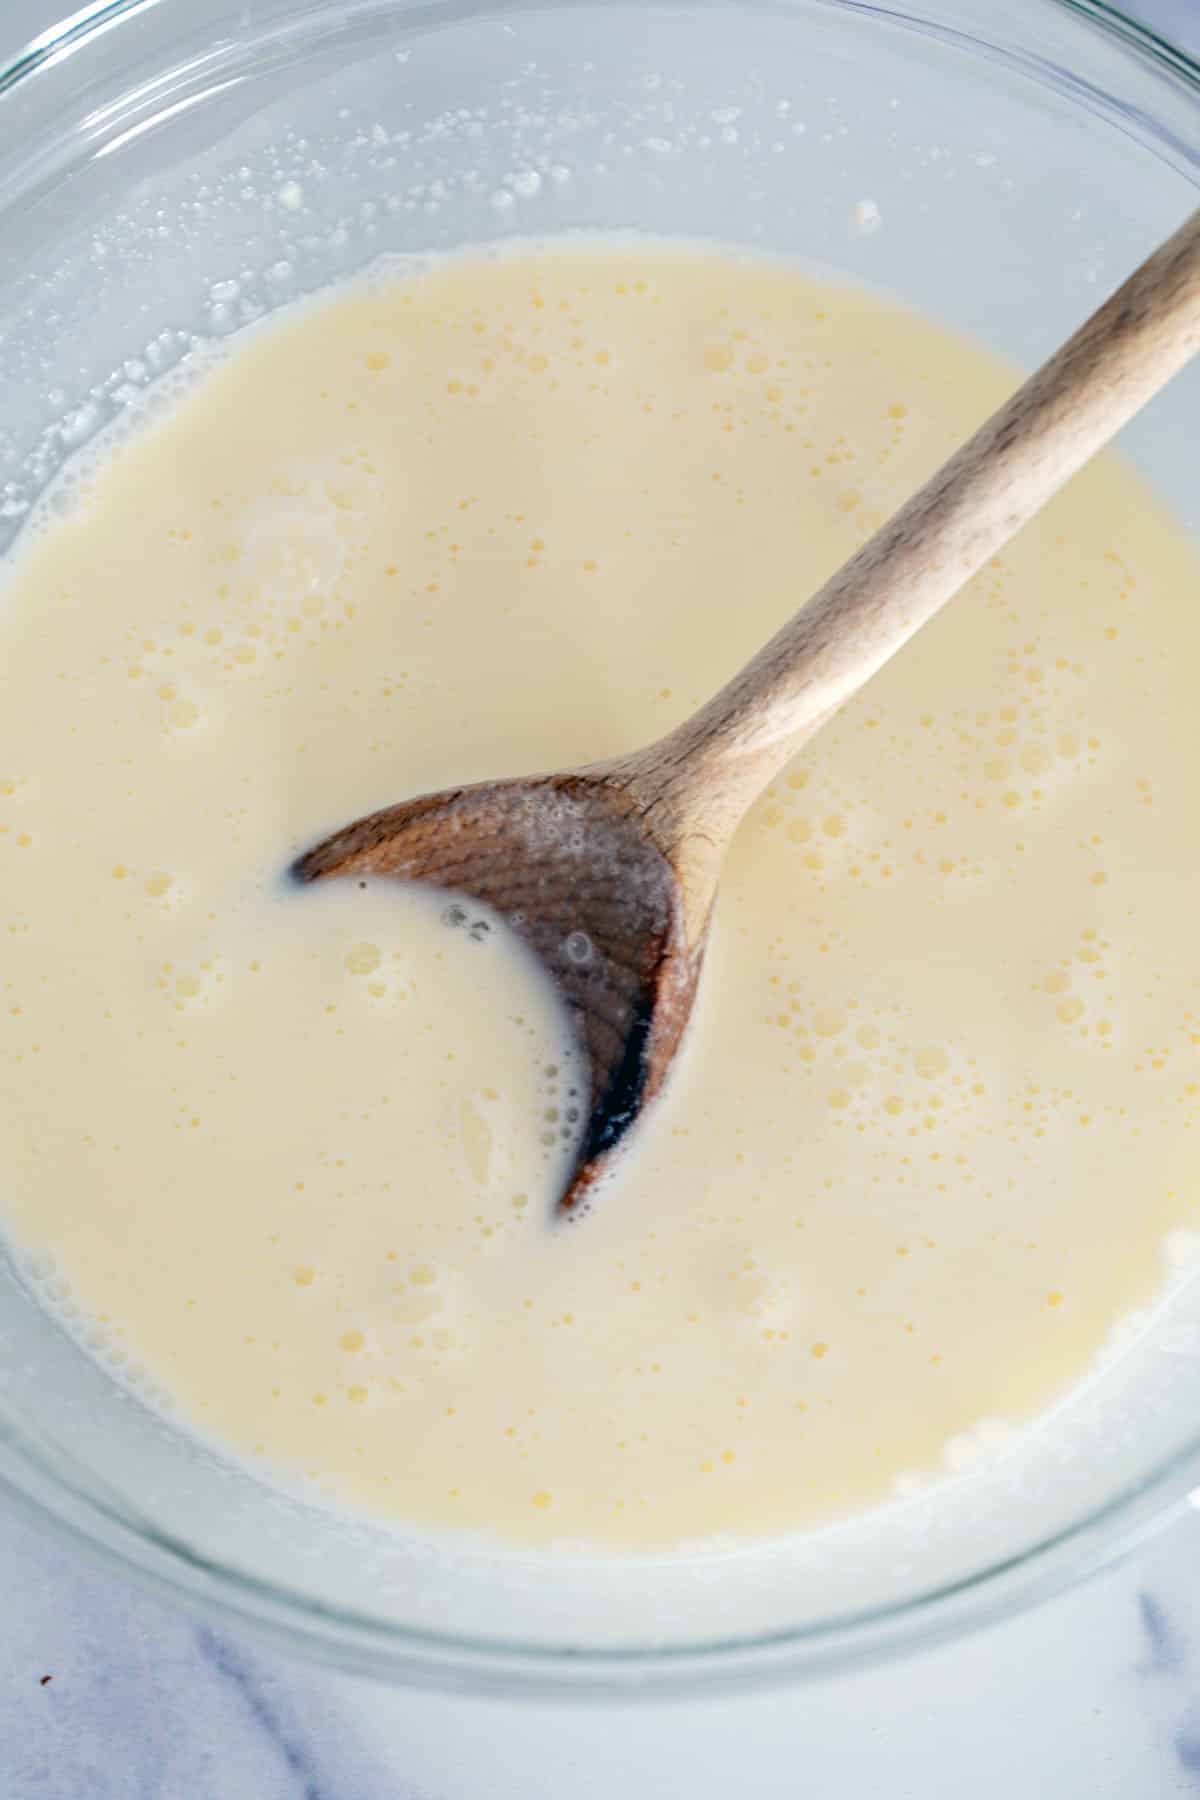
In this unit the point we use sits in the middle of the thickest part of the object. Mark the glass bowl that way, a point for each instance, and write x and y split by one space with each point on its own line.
170 170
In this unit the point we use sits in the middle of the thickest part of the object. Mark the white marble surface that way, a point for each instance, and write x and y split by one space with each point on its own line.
1096 1696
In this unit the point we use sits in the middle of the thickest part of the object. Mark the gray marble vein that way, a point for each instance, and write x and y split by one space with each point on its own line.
1169 1623
144 1704
1165 1650
236 1667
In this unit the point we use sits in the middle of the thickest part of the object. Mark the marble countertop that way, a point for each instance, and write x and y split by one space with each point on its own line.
108 1694
1095 1696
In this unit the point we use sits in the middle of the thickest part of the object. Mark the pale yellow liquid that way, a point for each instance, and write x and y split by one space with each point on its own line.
937 1111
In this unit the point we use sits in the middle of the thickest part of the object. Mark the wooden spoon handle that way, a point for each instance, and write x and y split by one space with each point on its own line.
715 764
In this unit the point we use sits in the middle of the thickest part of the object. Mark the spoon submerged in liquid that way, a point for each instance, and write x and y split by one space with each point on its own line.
609 872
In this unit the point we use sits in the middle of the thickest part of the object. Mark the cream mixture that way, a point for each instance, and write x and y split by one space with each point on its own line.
295 1152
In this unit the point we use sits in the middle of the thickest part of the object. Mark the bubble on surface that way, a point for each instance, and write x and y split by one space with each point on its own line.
867 218
363 959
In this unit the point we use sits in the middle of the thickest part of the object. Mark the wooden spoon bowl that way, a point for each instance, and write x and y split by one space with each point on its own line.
568 863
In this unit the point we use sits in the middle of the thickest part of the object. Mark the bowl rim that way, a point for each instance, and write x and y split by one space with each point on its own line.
451 1662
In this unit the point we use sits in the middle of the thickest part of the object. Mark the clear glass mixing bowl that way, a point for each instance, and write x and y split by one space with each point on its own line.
172 169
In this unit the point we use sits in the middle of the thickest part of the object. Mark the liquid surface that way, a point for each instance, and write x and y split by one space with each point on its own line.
295 1152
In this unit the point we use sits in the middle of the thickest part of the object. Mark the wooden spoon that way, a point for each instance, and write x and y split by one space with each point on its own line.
609 872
